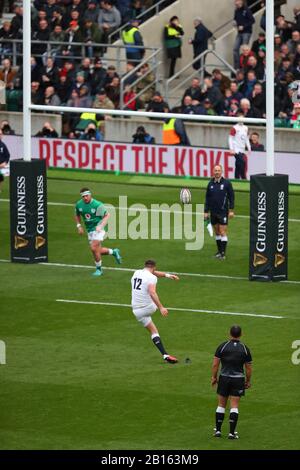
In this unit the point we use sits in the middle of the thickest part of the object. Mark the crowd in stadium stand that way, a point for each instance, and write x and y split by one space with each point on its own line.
63 79
221 95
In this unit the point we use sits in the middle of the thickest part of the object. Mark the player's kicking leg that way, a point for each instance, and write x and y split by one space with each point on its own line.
158 343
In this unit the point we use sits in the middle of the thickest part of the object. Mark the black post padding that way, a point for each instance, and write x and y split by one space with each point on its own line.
28 211
268 228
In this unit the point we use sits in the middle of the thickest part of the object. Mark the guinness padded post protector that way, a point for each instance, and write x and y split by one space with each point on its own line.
28 211
268 228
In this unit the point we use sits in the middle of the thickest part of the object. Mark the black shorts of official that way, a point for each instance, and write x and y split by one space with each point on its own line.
229 386
221 219
1 178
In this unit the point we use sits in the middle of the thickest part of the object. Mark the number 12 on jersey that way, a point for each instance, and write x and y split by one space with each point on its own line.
137 283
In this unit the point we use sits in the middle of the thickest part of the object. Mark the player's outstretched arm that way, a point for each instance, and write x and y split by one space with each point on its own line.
167 275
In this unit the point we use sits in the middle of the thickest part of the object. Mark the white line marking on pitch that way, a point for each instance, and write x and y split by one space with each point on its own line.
143 209
110 268
216 312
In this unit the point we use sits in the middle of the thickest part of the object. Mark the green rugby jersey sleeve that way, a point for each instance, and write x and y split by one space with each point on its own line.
101 210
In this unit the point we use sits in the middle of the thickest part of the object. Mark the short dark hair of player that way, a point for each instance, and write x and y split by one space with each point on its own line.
150 263
236 331
83 190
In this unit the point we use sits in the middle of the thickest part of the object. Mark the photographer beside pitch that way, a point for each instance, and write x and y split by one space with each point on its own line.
234 356
219 202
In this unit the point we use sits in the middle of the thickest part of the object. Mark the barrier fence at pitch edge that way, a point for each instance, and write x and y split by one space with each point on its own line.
160 160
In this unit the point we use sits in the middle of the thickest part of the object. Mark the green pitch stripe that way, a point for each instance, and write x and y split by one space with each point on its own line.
216 312
109 268
146 180
143 209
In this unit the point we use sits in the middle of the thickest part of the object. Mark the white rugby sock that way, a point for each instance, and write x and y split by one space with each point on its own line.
220 409
154 335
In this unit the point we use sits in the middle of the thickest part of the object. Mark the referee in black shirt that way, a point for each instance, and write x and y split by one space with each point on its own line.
219 202
232 383
4 157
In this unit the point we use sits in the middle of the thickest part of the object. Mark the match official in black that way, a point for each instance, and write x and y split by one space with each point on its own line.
4 158
234 356
219 202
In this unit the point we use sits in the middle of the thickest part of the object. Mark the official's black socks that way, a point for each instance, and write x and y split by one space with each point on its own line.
233 419
220 413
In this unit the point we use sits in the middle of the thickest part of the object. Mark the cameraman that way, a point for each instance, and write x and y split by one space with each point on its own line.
47 131
91 133
142 137
6 129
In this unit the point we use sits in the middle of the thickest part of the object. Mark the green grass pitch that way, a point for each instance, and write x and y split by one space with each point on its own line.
88 377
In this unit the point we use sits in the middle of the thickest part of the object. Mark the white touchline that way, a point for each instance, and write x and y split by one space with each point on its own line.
110 268
193 310
142 209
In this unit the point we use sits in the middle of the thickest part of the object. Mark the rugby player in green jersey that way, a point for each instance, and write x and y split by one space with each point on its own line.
95 218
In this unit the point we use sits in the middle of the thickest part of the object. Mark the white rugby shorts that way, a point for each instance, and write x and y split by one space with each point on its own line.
143 315
98 236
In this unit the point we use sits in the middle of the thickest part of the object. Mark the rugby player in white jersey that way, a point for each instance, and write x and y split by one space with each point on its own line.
145 302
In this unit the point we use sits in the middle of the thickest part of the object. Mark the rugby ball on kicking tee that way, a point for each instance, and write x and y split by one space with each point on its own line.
185 196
